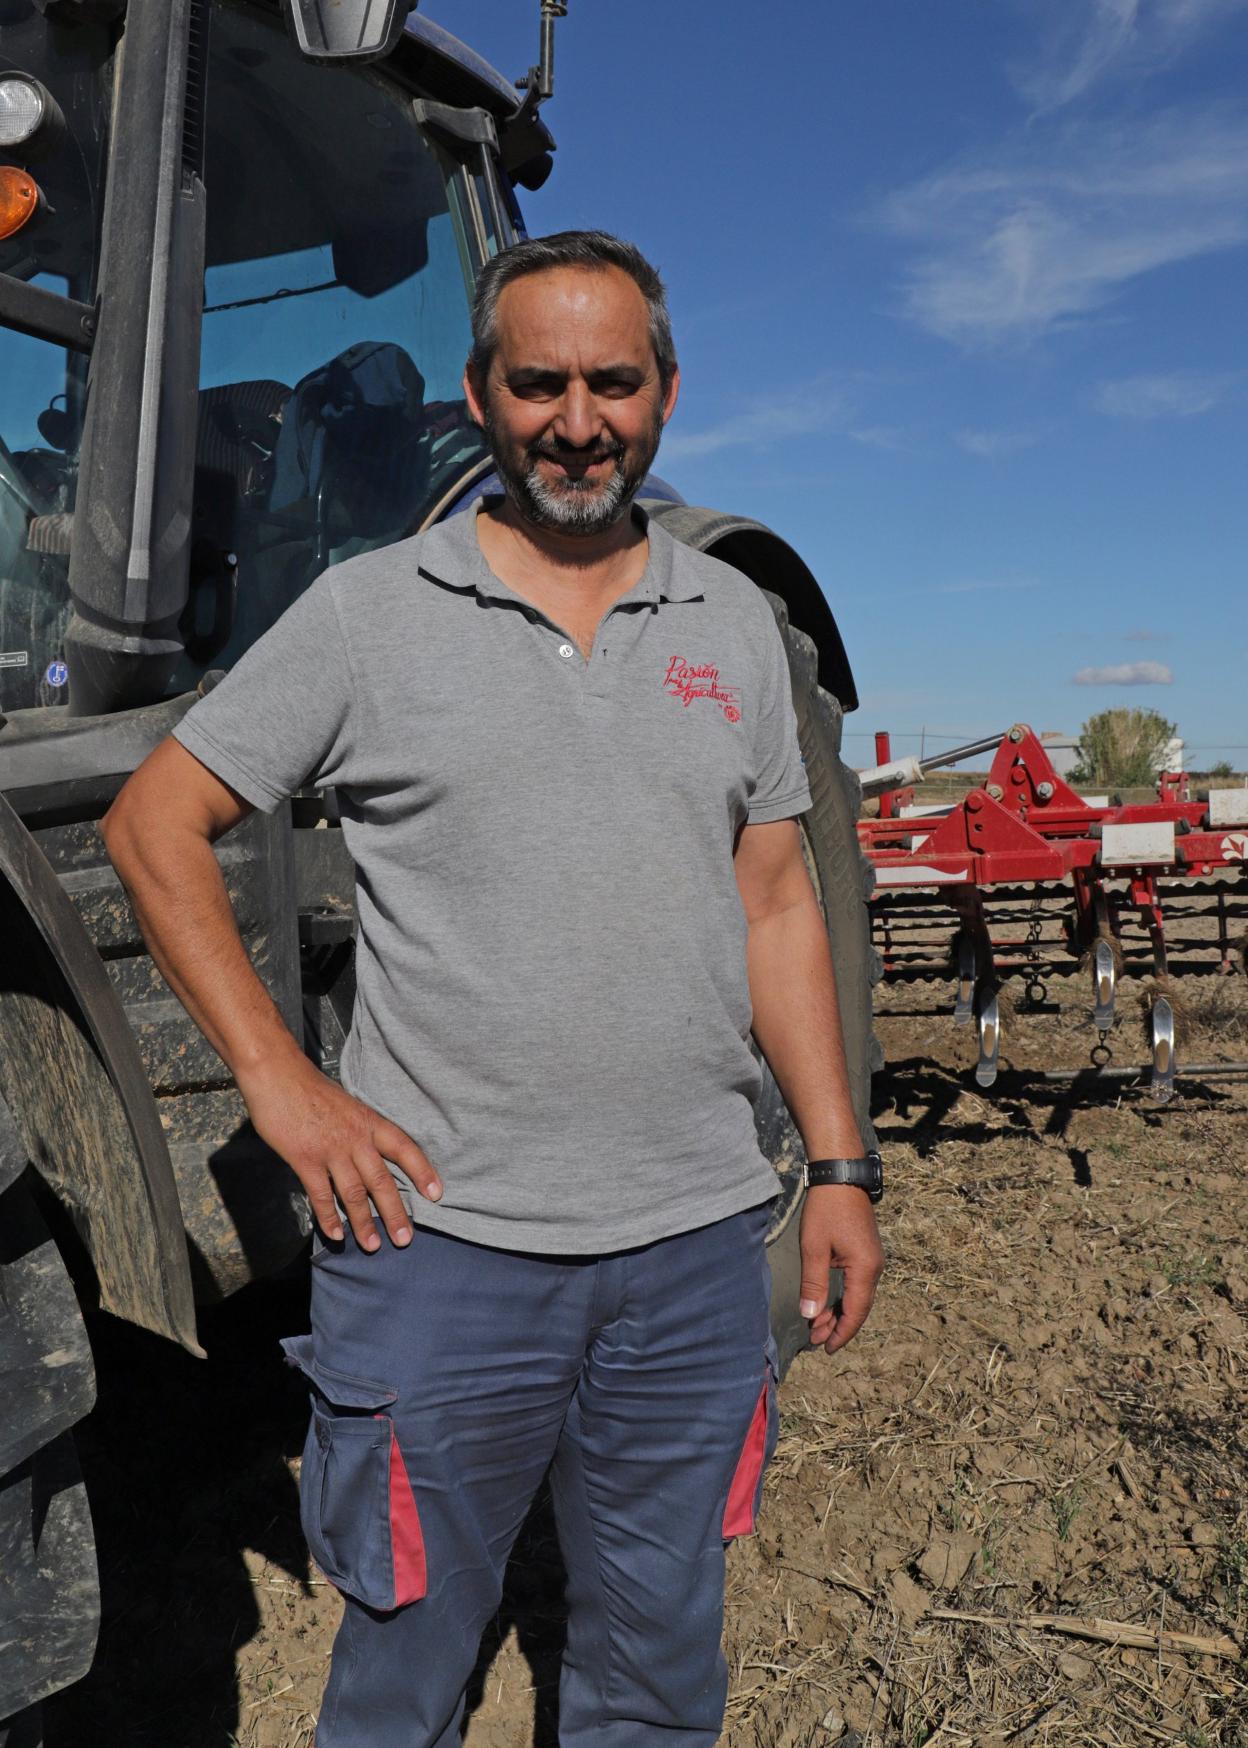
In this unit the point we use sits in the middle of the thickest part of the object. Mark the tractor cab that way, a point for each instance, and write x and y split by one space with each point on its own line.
261 262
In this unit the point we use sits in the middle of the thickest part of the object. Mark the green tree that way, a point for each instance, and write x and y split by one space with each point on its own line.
1123 748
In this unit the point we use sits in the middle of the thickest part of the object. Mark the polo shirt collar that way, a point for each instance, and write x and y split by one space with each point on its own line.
450 554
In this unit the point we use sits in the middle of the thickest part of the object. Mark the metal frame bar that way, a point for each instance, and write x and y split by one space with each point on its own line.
46 315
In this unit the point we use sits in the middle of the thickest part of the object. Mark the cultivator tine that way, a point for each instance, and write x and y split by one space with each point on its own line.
965 1005
1163 1049
989 1018
1104 979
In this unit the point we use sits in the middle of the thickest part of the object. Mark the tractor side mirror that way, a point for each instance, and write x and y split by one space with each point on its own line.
346 30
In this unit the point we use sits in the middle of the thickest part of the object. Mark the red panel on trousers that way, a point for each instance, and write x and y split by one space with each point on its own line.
406 1537
739 1512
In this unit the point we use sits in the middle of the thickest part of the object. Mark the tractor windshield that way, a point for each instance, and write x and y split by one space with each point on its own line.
342 247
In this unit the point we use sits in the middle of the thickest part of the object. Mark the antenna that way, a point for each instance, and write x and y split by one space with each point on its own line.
539 82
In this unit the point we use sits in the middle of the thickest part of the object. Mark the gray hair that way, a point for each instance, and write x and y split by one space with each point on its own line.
594 250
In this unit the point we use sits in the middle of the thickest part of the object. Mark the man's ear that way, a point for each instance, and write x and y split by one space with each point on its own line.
474 393
672 395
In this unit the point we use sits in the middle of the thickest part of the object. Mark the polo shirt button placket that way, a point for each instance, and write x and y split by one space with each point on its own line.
624 627
596 673
566 651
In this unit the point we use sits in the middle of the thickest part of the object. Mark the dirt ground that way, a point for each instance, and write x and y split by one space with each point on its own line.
1012 1512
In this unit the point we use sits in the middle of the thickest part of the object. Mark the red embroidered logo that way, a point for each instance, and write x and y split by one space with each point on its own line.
687 681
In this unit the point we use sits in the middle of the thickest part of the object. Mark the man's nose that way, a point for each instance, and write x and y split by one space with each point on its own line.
579 421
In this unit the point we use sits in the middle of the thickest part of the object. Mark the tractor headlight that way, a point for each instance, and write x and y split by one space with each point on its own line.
24 107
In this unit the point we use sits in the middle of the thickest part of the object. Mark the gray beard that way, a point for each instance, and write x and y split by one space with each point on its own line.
575 506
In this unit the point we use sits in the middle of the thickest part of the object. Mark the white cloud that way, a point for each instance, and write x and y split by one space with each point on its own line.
888 437
1089 41
1126 674
1180 394
1086 39
993 445
762 424
1053 228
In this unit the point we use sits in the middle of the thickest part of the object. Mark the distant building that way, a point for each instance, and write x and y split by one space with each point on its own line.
1063 751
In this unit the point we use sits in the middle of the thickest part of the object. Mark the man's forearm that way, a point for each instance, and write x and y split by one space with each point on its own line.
159 833
797 1024
180 899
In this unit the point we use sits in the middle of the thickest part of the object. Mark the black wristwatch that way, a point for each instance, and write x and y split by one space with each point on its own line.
866 1172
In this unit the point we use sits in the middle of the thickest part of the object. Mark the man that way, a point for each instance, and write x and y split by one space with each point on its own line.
564 753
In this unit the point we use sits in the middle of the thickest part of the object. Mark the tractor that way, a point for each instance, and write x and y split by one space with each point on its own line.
238 241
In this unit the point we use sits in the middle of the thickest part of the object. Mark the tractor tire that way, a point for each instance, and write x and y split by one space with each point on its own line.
49 1597
843 881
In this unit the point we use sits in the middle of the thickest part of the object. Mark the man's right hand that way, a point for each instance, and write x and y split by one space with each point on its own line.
337 1147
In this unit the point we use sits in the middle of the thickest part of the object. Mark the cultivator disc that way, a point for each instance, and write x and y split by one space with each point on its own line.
1036 881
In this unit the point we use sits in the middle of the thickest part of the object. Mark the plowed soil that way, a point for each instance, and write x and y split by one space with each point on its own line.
1011 1512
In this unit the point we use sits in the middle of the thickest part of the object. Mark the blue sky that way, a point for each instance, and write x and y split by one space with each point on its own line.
959 293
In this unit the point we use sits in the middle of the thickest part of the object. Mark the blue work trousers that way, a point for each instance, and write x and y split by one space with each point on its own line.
446 1379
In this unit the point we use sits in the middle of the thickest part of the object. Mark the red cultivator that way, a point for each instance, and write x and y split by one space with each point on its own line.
1033 874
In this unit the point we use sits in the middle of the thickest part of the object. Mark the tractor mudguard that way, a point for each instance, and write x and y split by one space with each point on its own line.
771 562
74 1083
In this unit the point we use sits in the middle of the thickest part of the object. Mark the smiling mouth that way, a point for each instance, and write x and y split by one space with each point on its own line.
577 467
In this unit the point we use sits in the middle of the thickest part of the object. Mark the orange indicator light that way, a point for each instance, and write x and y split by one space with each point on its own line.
19 200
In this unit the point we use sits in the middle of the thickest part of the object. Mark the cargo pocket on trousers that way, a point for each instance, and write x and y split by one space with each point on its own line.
356 1503
746 1492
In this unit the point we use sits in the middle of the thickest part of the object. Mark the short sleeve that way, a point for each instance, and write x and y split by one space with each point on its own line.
780 788
284 716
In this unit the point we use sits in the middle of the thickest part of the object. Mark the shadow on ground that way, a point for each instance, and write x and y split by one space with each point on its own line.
187 1464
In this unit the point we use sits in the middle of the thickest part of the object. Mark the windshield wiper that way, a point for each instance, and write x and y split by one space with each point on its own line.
246 303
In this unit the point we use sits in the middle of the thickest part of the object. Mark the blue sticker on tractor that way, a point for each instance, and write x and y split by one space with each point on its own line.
57 674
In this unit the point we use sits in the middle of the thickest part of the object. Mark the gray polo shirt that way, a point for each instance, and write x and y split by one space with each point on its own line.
551 981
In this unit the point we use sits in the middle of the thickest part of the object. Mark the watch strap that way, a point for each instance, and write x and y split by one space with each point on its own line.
865 1173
